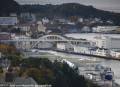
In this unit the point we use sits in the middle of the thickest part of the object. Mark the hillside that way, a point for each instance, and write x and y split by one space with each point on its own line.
71 9
43 71
8 6
63 10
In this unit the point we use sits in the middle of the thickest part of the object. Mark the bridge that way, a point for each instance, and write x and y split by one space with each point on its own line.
35 43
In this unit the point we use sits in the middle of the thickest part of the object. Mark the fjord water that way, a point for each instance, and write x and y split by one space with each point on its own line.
76 59
114 64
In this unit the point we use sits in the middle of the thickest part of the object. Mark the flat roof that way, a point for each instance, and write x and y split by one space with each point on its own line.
8 20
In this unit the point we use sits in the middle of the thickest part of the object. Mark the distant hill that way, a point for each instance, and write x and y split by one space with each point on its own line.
8 6
71 9
63 10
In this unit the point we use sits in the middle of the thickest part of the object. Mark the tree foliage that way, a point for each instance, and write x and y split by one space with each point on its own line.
7 49
55 73
71 9
8 6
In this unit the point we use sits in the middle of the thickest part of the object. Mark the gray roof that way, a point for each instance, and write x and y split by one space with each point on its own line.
20 82
25 81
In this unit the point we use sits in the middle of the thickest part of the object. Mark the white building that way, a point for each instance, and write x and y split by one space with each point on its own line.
103 52
65 46
71 23
6 21
23 45
115 54
45 45
41 27
5 36
24 27
107 42
105 28
78 49
86 29
45 20
80 20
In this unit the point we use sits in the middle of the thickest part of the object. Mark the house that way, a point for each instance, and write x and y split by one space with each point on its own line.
86 29
45 20
10 79
69 28
41 27
115 54
80 20
27 17
78 49
24 27
19 81
25 81
105 28
103 52
65 47
5 36
22 45
8 21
